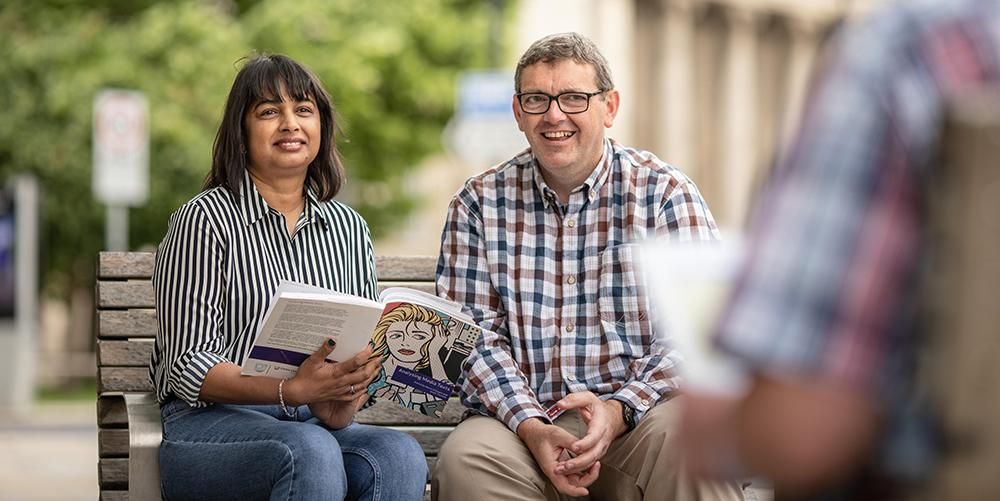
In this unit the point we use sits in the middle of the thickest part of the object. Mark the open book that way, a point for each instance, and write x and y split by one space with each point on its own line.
422 339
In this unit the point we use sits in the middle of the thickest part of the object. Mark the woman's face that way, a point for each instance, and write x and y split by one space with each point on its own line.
284 135
405 339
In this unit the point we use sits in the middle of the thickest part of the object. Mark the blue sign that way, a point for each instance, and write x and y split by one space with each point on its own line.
485 93
8 271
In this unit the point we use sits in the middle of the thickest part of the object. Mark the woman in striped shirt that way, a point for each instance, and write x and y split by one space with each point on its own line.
267 214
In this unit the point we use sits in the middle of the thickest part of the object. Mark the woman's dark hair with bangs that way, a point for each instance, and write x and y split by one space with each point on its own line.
261 78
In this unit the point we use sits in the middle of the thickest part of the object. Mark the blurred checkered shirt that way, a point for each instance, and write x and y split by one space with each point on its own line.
830 286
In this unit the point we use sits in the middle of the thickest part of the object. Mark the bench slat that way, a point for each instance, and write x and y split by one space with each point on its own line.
389 413
114 495
111 412
131 353
125 265
406 268
140 265
112 473
135 322
112 443
125 294
139 293
123 379
427 287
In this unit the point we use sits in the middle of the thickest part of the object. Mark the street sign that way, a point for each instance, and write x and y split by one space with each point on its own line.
485 93
121 147
483 132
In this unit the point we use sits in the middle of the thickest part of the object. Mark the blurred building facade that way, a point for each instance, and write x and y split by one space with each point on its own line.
710 86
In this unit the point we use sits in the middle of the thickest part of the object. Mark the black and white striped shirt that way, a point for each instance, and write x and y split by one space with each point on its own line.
220 263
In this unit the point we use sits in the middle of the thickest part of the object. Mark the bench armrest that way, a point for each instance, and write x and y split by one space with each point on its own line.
145 431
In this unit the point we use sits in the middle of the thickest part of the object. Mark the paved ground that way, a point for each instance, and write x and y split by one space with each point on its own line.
49 453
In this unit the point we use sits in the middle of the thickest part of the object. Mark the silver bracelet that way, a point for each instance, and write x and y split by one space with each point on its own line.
294 413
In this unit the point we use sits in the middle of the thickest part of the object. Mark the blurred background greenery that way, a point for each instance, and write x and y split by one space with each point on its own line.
390 67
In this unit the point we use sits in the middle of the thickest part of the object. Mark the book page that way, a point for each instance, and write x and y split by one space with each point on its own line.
298 323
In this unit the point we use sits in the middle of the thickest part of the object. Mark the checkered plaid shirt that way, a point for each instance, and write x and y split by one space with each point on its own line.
554 286
836 240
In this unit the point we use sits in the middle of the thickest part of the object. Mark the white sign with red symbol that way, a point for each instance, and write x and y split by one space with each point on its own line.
121 147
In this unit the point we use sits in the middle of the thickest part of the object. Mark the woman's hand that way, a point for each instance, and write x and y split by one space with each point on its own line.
336 414
337 385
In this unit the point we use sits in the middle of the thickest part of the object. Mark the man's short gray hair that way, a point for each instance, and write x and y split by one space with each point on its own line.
560 46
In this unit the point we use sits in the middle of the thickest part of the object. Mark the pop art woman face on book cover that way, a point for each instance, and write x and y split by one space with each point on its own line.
422 351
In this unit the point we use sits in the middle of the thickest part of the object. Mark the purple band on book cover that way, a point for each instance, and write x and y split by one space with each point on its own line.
422 382
277 355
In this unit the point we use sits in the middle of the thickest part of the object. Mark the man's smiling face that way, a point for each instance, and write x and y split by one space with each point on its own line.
567 146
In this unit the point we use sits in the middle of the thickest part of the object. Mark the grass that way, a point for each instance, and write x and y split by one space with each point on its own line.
80 390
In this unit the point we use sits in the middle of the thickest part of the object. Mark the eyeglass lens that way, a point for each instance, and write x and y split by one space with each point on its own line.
568 102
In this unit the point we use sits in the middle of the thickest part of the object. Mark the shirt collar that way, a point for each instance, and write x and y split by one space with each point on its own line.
313 214
591 186
254 207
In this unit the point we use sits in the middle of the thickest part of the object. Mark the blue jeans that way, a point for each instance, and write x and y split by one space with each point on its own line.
244 452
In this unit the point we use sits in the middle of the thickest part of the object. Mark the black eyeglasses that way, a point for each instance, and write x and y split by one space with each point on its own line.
537 103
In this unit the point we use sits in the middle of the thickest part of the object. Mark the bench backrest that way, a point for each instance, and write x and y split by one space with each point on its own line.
126 328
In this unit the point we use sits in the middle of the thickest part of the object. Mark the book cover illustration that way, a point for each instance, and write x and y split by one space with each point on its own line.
422 351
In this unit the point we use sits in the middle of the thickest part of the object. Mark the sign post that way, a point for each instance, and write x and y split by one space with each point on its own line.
483 132
121 158
19 200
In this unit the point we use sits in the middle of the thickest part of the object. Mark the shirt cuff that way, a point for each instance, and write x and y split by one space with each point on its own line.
639 396
515 410
187 379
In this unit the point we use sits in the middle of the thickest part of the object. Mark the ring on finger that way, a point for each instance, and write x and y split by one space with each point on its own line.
352 389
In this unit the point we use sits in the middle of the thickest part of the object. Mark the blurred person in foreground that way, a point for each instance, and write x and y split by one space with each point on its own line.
538 249
822 315
268 214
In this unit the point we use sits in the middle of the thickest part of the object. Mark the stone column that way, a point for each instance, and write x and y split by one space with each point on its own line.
612 23
803 41
677 75
740 115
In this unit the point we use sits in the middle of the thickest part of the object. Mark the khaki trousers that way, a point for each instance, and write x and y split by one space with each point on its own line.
482 460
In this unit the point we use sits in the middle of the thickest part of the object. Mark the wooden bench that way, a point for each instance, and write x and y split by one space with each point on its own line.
128 417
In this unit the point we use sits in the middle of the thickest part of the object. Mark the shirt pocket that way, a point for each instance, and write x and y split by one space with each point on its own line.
622 302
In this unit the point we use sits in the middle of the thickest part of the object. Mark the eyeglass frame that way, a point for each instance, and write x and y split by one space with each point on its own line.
556 99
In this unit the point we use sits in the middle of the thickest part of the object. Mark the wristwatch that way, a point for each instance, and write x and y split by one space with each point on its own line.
628 416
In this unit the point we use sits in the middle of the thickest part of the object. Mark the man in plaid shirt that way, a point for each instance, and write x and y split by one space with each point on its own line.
571 389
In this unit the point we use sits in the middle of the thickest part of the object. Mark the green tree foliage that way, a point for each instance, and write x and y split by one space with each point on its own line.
389 65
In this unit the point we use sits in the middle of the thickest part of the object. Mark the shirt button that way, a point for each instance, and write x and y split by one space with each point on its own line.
571 223
593 194
644 402
571 280
569 328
